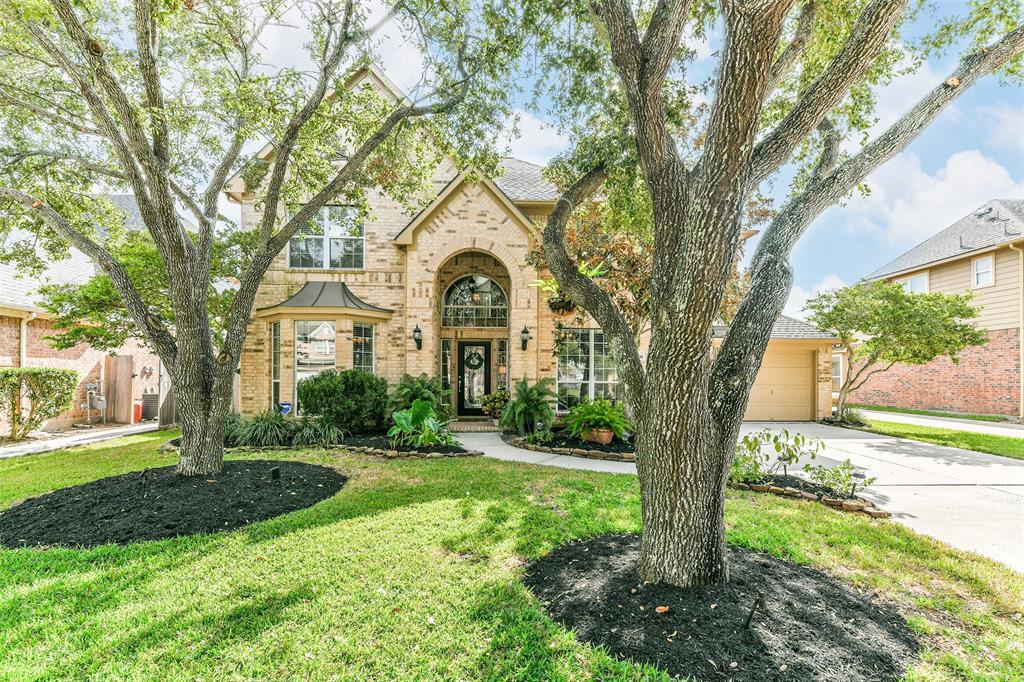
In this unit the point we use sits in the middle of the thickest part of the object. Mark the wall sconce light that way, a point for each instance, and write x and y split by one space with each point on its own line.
417 336
525 337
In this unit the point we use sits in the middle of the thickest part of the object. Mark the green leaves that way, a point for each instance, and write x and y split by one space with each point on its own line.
47 392
419 427
882 322
529 409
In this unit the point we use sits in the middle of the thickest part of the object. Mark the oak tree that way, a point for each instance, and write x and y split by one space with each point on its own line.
793 82
167 99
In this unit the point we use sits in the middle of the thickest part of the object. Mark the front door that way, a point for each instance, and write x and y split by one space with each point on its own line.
474 375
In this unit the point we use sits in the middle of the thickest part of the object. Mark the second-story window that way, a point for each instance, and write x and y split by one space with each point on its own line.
915 284
981 272
332 240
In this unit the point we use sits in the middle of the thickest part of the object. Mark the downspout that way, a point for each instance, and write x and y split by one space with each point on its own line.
1020 328
23 339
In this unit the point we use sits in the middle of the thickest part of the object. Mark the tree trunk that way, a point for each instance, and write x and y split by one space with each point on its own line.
203 406
682 458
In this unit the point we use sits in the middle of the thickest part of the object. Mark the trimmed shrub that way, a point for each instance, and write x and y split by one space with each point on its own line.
47 392
353 401
410 389
269 429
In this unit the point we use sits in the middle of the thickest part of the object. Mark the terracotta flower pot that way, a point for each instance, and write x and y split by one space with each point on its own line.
602 436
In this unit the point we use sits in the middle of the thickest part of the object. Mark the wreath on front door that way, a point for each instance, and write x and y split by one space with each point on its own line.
474 360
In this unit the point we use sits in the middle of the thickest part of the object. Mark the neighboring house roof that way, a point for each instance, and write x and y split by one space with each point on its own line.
321 295
786 327
995 222
20 290
523 181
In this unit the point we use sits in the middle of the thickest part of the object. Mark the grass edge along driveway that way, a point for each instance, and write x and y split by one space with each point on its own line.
1004 446
412 571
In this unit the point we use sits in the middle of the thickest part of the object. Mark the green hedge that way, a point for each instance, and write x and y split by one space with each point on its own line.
352 400
47 393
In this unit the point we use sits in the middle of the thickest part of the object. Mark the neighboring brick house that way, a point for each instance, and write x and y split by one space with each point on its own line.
981 253
446 292
24 326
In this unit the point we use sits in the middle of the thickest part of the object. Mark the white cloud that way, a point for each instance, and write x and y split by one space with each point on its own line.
799 296
536 142
1003 125
907 204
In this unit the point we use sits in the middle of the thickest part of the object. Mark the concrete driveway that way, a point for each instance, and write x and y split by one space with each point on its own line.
968 499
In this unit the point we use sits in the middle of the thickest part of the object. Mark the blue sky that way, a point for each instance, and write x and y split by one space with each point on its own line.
974 152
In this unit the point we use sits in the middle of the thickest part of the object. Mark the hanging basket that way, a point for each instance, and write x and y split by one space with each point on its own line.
561 305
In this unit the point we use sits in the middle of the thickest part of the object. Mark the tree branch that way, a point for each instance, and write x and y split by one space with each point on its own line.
584 291
744 345
158 335
866 42
796 47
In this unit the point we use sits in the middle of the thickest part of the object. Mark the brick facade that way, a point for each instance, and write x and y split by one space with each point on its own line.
88 362
985 381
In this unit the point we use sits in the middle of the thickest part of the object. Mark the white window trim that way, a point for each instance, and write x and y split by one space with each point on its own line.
839 356
991 258
326 239
906 280
275 330
591 381
373 350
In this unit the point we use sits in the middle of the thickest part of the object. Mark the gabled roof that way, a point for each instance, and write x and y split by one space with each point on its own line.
321 296
995 222
504 200
786 327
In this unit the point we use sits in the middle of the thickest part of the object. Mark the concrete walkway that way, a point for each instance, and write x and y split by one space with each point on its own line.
967 499
73 439
973 425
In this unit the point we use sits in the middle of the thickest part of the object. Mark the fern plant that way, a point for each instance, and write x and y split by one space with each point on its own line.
410 389
267 429
597 415
529 409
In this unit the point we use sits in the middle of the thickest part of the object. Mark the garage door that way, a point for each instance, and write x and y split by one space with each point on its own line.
784 388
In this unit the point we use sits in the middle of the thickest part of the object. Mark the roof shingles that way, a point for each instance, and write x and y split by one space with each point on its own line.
994 222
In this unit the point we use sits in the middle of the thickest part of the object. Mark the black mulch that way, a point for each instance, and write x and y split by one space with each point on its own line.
813 628
382 442
562 439
157 503
788 481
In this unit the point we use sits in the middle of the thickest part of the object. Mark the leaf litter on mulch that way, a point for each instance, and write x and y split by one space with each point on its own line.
812 626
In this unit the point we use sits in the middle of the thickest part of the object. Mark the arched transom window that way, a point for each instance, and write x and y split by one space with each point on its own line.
475 301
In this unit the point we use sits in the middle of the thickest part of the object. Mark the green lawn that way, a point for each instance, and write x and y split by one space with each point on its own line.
931 413
1005 446
412 572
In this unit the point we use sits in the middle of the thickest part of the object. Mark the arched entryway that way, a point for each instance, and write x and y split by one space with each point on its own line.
473 313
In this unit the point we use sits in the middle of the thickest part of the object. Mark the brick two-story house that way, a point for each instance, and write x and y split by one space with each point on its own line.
982 253
446 292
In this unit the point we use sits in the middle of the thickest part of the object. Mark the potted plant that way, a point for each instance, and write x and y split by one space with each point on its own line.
597 421
493 404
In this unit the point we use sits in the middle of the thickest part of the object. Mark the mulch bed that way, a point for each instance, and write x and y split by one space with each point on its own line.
381 442
814 627
156 504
